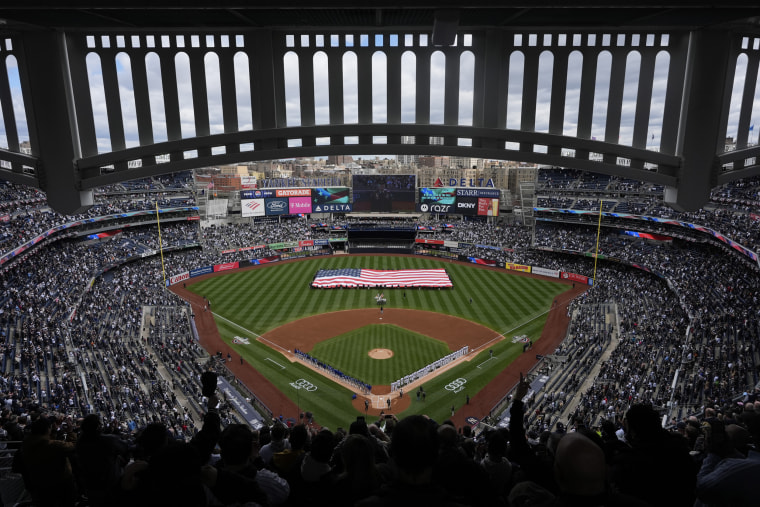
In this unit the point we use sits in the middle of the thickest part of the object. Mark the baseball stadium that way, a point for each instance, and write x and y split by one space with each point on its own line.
261 289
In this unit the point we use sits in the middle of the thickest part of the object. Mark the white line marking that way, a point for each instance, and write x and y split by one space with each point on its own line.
216 315
275 362
484 362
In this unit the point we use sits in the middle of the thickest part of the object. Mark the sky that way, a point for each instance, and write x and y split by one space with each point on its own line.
379 91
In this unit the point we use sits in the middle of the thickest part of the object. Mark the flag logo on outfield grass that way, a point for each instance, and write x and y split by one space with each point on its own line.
357 277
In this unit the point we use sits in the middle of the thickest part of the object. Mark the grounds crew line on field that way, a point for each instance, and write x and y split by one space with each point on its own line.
518 326
258 336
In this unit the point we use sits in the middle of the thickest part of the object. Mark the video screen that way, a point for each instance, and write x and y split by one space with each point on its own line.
438 195
337 195
384 193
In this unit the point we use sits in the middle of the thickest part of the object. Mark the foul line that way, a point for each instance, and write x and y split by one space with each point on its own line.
525 322
258 336
484 362
275 362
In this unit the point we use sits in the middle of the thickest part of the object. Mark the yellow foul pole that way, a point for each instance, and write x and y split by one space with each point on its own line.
598 230
160 245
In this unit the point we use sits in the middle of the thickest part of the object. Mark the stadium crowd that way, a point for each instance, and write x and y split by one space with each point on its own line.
101 375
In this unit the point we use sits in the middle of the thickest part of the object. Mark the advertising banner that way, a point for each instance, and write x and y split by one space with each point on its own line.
276 206
467 205
647 235
306 242
450 244
574 277
226 266
293 192
429 241
265 260
252 207
437 195
493 193
179 278
256 194
436 208
483 262
488 207
243 408
283 245
201 271
517 267
299 205
332 208
554 273
247 182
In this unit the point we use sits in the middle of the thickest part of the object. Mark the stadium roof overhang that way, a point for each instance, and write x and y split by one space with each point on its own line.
442 14
50 42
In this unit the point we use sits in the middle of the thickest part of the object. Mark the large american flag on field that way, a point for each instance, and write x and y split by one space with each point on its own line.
357 277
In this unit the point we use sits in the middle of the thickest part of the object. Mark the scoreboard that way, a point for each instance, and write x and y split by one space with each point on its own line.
464 201
293 201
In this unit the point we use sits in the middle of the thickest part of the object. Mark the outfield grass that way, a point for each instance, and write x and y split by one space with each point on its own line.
250 303
350 353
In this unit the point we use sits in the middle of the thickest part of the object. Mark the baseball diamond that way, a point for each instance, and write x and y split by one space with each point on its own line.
503 307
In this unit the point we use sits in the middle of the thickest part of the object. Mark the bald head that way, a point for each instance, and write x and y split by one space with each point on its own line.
579 466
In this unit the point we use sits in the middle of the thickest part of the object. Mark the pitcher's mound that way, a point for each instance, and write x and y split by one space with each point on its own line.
381 353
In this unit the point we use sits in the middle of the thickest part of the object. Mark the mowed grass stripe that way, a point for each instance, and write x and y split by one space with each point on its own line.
287 299
265 290
492 293
280 295
350 353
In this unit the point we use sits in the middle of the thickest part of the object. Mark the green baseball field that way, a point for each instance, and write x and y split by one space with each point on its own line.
274 310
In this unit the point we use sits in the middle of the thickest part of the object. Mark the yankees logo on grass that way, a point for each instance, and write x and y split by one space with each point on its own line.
304 384
456 385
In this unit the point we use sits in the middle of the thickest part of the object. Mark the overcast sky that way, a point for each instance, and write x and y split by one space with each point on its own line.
379 93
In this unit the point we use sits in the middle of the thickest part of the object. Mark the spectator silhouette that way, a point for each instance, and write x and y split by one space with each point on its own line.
729 472
45 466
360 477
655 458
462 478
312 481
101 459
174 473
496 464
278 443
287 462
580 471
238 479
413 454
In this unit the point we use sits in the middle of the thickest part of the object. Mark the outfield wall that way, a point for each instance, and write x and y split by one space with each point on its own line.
299 252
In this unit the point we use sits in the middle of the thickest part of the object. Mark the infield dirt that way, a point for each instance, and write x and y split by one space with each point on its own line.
456 332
